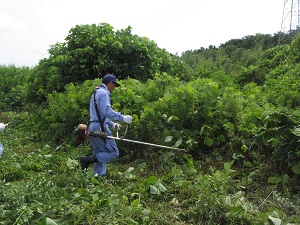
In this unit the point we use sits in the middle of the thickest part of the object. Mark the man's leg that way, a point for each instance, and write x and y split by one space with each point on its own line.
104 153
85 161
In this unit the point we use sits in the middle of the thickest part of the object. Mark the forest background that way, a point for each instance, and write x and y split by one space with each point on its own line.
233 108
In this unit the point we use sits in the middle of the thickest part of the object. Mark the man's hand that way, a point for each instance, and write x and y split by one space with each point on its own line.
116 126
127 119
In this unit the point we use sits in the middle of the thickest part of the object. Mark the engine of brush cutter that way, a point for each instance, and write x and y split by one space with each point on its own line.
81 133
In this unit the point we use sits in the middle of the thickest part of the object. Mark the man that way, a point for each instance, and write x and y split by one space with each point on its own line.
2 126
104 150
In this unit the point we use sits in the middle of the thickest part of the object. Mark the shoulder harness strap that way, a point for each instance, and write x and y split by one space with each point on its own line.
97 111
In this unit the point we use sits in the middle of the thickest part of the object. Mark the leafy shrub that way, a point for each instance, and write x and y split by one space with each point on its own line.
282 86
280 138
91 51
13 87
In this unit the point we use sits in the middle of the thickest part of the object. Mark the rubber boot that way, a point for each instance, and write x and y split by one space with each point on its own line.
85 161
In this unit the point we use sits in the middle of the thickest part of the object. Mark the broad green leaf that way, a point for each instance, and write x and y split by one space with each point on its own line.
208 141
151 180
129 93
126 211
104 202
221 138
227 166
113 209
247 163
114 199
189 165
130 169
129 176
275 215
216 152
190 88
274 180
166 133
175 118
164 116
154 190
95 197
178 142
235 209
47 221
176 134
274 221
285 179
201 130
168 138
50 222
137 99
208 159
60 148
95 181
234 156
244 148
129 220
161 187
168 96
175 172
47 146
135 203
219 157
296 168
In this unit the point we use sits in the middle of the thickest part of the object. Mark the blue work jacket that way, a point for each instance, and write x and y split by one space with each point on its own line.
104 106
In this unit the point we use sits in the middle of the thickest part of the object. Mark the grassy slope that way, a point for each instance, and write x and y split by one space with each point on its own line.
39 181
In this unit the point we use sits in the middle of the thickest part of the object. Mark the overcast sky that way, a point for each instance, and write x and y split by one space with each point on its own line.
29 27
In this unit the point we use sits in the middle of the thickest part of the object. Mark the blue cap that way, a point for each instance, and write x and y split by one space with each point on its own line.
110 78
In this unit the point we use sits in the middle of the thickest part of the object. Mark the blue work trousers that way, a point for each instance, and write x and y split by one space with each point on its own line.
104 151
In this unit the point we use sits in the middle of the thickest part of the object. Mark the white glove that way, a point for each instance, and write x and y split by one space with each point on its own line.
127 119
116 126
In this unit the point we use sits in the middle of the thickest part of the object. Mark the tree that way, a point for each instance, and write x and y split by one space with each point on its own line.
91 51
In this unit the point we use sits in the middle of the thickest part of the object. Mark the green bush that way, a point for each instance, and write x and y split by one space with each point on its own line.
91 51
13 87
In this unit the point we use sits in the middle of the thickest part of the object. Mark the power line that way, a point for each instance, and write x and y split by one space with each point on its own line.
167 18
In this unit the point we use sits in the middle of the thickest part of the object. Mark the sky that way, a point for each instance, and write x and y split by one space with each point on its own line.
29 27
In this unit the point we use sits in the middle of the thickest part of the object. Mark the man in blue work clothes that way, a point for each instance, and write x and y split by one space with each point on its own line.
104 150
2 126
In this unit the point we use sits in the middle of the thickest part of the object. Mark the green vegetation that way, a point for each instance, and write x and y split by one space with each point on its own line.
235 109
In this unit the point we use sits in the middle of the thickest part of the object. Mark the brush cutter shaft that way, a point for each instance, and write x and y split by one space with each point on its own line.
143 143
103 135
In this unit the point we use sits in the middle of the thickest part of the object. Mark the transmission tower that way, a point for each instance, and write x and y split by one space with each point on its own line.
290 22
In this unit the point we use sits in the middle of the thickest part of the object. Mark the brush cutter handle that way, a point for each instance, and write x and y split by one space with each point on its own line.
98 134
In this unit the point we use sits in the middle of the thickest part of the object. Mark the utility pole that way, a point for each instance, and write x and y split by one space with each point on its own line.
290 22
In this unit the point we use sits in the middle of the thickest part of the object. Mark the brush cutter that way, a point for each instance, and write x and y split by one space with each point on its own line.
103 135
